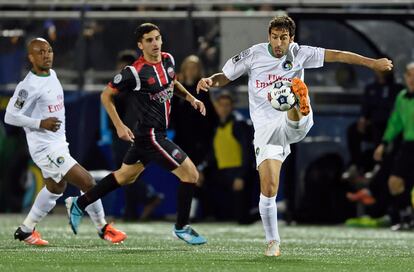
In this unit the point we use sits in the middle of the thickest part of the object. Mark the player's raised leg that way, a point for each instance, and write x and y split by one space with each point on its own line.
300 89
299 119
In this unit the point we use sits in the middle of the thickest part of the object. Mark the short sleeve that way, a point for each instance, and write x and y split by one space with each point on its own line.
311 57
238 65
171 58
126 80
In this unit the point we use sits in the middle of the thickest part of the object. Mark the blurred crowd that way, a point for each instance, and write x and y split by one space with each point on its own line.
380 172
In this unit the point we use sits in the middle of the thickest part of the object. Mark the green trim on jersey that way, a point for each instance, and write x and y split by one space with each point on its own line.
40 75
401 119
269 48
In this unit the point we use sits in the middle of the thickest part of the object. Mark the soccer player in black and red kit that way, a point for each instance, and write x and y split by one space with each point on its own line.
152 81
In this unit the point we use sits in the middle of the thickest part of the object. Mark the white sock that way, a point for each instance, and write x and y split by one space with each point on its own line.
96 212
268 213
45 201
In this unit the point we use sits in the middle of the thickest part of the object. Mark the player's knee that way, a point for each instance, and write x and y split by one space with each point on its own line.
56 188
191 176
269 189
194 176
87 183
125 177
87 186
396 185
269 192
132 178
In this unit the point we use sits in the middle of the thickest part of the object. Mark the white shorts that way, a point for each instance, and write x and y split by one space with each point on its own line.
273 141
55 163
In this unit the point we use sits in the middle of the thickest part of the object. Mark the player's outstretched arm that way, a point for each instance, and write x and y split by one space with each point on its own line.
216 80
182 92
382 64
121 129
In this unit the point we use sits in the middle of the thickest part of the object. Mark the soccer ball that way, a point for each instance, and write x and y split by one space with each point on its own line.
280 96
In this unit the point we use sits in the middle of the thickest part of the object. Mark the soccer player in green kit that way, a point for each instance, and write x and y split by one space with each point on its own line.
401 180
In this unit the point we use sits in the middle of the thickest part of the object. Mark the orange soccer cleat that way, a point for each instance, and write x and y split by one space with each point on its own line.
364 196
112 235
300 90
32 238
272 249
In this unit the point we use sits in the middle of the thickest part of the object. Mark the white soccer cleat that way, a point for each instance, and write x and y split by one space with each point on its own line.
272 249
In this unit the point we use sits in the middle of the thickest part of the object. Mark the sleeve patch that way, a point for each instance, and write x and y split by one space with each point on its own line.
240 56
171 72
117 78
21 98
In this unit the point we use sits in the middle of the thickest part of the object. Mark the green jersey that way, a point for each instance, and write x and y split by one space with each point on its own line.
401 119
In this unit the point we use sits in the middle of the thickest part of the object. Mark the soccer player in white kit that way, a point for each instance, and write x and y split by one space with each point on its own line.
281 59
37 106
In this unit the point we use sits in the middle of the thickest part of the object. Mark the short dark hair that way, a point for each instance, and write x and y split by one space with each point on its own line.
283 22
127 56
144 29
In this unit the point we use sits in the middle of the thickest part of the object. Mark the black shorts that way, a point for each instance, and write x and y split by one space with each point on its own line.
404 162
155 148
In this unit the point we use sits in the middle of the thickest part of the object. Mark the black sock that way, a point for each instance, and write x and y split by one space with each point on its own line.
399 203
105 186
184 197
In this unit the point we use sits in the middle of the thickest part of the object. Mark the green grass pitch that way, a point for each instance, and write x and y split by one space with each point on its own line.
150 247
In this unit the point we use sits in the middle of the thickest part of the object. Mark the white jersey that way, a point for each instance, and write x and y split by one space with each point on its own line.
263 69
37 98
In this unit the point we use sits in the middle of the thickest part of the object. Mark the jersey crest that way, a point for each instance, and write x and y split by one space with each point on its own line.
287 65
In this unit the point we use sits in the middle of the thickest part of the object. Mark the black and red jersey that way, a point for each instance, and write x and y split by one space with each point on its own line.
151 86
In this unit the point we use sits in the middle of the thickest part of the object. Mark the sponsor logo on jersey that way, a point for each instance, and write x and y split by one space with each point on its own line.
21 98
163 95
240 56
271 79
117 78
55 108
60 160
177 154
171 72
287 65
